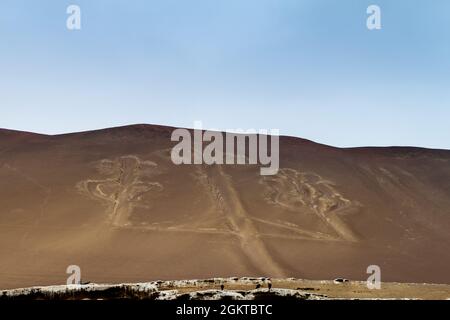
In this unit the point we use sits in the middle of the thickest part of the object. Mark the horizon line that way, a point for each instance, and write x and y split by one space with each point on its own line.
215 130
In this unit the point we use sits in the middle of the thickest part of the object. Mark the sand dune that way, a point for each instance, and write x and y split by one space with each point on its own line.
112 202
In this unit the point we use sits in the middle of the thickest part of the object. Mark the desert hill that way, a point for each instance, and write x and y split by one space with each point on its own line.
112 202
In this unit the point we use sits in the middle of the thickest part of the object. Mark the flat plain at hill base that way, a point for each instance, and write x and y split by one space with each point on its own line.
234 289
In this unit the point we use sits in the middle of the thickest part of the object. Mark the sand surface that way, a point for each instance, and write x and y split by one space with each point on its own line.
112 202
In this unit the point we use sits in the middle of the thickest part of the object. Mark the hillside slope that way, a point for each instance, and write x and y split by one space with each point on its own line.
112 202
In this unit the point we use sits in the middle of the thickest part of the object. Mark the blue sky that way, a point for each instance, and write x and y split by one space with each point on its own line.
310 68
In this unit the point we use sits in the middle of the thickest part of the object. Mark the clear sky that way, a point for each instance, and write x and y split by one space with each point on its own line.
310 68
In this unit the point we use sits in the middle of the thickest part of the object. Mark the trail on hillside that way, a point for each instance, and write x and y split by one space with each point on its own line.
242 224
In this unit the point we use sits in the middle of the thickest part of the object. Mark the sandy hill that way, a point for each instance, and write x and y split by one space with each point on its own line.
112 202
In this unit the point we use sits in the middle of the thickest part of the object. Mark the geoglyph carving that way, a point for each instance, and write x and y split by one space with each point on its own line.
125 187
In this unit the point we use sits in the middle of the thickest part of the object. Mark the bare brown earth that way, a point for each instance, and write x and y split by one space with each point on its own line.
112 202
